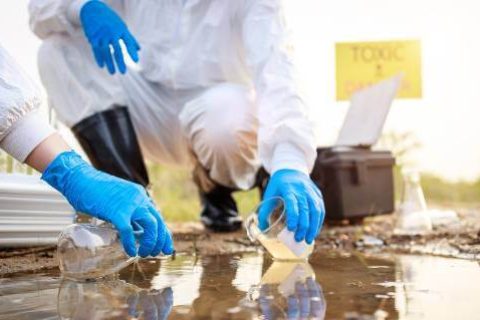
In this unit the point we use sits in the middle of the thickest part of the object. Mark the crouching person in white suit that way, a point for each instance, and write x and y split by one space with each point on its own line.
214 90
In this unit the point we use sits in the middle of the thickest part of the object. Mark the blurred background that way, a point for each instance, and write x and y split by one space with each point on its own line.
438 132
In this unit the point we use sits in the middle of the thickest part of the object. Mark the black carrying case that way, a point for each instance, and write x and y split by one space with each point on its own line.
355 182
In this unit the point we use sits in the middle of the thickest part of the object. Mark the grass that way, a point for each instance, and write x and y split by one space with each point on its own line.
172 189
436 190
177 196
440 191
10 165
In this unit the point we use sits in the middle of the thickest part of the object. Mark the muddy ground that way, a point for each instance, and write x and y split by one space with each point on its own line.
375 234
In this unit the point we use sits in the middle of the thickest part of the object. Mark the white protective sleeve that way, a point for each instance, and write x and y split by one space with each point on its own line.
21 129
286 137
49 17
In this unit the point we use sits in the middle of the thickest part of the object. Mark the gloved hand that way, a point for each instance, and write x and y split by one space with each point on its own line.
104 28
304 206
120 202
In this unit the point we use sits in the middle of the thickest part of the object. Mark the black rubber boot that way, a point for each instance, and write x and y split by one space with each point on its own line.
110 142
220 212
261 181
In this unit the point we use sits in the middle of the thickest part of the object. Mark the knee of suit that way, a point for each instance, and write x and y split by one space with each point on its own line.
222 121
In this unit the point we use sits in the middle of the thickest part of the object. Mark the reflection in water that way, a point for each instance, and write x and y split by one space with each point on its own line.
212 288
112 299
28 297
183 274
251 287
218 297
289 290
436 288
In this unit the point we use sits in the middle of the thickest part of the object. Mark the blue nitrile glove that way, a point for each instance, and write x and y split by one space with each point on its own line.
120 202
104 29
304 206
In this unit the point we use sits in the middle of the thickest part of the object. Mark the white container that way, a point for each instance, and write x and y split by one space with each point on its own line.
31 212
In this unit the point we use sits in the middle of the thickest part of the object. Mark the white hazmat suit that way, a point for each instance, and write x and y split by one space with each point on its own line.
21 128
215 81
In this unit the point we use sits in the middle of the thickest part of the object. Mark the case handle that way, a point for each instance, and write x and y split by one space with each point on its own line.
360 176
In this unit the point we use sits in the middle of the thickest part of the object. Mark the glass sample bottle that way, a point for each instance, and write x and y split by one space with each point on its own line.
276 239
88 251
412 216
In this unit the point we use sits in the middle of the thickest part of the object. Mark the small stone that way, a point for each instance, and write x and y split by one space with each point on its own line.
369 241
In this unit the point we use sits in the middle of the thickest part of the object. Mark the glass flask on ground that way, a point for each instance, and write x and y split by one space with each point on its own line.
412 217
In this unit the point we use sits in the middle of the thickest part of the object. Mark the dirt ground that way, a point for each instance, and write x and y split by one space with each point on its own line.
375 234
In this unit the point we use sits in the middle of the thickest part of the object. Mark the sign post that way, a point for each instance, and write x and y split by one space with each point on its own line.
361 64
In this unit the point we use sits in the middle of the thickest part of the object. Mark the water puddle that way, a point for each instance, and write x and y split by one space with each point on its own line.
251 286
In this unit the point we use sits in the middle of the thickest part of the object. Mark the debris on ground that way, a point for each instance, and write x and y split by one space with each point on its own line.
373 235
459 240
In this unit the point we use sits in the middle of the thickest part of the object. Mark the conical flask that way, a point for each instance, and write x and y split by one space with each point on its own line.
412 216
87 251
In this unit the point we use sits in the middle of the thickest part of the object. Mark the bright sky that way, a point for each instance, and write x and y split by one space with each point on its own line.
446 120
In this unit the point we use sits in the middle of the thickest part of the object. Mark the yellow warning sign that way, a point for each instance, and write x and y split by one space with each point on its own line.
360 64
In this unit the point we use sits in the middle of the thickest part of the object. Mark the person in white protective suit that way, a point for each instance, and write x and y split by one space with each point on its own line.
214 89
30 139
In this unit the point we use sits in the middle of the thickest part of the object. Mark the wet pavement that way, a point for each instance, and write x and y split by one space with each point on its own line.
251 286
